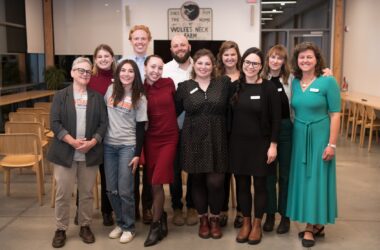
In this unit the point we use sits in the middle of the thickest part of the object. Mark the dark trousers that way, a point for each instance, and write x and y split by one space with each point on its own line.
176 187
146 194
284 150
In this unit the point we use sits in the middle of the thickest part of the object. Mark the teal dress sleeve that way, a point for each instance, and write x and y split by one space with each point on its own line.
333 95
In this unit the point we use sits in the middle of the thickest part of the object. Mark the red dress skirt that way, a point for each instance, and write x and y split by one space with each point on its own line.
161 138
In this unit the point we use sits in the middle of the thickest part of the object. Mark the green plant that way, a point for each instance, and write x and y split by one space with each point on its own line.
54 77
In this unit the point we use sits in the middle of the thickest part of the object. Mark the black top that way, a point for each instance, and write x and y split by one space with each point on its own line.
285 109
204 133
255 124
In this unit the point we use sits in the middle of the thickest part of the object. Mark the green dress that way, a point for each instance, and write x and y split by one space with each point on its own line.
312 182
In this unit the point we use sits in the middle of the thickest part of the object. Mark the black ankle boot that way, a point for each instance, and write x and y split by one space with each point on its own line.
155 234
164 224
269 223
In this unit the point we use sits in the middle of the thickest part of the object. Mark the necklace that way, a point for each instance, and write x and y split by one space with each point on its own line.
304 84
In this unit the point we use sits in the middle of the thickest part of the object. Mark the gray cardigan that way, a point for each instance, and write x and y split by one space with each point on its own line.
63 121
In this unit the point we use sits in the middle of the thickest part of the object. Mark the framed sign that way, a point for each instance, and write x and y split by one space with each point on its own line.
191 21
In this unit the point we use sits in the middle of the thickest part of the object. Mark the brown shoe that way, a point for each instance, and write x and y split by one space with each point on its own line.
256 234
178 219
86 235
215 230
204 227
59 239
147 217
245 229
191 217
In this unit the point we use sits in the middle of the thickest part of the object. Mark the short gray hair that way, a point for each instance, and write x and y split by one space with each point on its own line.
81 59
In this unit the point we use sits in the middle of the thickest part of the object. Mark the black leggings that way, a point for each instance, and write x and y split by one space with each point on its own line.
208 191
245 195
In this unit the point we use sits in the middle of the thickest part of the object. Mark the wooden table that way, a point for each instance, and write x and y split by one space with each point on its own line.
21 97
358 98
24 96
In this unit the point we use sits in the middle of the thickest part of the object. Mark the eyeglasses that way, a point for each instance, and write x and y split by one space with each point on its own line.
83 71
253 64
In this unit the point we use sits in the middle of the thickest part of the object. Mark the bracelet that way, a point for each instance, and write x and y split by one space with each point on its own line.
331 145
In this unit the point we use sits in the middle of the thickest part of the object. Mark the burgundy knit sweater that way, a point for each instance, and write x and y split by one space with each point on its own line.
101 81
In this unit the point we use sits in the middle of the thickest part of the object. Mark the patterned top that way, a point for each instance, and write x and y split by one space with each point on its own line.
204 133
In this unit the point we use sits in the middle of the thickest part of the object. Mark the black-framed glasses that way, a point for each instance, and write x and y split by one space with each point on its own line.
253 64
83 71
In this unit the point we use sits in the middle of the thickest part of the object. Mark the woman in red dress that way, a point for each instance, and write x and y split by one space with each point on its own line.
160 141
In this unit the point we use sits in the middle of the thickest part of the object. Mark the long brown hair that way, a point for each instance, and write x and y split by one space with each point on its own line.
318 55
220 68
199 54
107 48
137 86
281 51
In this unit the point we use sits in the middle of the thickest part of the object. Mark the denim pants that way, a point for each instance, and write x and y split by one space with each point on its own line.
120 184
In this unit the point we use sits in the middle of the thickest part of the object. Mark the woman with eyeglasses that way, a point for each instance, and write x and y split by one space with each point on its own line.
160 142
127 115
102 74
79 122
256 120
228 63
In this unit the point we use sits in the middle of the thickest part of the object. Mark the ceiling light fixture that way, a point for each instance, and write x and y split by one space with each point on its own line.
279 2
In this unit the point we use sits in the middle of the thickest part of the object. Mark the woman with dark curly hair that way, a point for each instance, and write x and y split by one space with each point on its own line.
312 183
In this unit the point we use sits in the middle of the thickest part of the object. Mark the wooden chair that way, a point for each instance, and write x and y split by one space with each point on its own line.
45 119
33 128
43 105
359 121
22 151
23 117
343 116
351 118
372 123
31 110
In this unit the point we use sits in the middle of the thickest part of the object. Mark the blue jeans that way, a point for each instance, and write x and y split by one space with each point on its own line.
120 184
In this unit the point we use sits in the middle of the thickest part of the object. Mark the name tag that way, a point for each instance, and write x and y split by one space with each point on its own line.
279 89
255 97
193 91
314 90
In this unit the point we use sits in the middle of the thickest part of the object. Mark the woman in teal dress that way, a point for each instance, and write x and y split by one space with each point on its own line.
316 103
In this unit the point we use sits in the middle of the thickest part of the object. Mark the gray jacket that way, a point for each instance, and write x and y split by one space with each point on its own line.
63 121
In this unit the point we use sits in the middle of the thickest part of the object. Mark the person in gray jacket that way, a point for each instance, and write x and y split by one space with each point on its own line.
79 122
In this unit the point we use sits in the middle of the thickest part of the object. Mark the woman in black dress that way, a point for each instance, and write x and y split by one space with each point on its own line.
255 126
204 138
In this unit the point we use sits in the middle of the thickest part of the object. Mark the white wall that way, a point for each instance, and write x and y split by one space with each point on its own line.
361 46
231 20
81 25
34 26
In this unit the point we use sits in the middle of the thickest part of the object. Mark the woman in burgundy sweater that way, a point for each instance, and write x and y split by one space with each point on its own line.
102 74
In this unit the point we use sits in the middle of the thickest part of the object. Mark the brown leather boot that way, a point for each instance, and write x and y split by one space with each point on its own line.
245 229
216 232
256 233
204 227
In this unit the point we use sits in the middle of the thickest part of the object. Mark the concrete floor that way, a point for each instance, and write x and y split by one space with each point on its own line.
26 225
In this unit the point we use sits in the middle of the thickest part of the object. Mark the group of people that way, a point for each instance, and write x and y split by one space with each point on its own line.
245 115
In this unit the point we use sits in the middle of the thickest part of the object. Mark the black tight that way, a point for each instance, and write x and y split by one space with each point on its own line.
158 201
245 196
208 190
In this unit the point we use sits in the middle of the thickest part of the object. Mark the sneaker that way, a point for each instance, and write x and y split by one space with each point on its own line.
126 237
238 222
59 238
191 217
178 219
115 233
86 235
